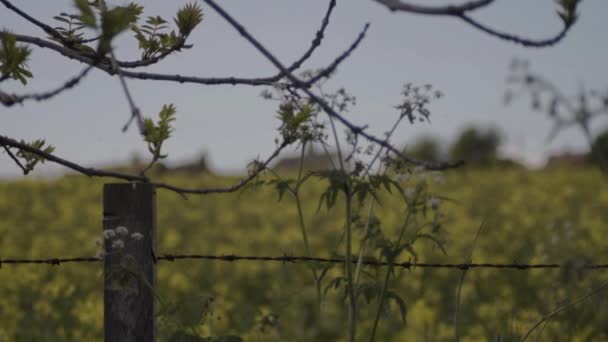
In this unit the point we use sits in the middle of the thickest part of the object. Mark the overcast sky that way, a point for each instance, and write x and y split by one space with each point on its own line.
233 124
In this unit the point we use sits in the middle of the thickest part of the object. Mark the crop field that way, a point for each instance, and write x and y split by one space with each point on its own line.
547 216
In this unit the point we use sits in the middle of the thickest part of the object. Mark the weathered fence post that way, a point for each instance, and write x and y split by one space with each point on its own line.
129 269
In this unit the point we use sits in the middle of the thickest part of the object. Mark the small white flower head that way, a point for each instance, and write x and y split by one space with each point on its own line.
137 236
409 192
118 244
401 177
434 203
438 177
419 169
101 254
109 234
122 231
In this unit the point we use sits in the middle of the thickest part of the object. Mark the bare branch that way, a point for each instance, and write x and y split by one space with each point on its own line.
316 42
202 191
46 28
91 172
104 65
460 11
15 159
358 130
151 60
515 39
326 72
397 5
11 99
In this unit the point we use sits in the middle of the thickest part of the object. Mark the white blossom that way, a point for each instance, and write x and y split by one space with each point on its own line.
118 244
419 169
409 192
434 203
401 177
137 236
122 230
108 234
438 177
101 254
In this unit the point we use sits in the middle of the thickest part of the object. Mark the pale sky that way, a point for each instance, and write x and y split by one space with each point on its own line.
233 124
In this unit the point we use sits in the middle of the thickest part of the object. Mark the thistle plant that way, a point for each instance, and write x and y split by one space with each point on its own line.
361 178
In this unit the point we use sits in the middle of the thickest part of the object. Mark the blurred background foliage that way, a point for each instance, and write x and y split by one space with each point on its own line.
552 215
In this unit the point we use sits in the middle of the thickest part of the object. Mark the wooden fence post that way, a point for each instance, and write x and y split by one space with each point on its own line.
129 269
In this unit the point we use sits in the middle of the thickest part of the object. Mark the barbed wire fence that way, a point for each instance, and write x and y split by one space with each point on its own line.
287 259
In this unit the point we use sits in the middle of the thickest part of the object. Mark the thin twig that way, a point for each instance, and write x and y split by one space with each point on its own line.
516 39
562 308
104 66
462 276
396 5
135 112
260 81
46 28
324 105
202 191
460 11
11 99
91 172
15 159
326 72
316 42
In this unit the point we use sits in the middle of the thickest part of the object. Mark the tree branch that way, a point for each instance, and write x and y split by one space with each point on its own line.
316 42
396 5
460 11
322 103
15 159
11 99
326 72
46 28
91 172
513 38
202 191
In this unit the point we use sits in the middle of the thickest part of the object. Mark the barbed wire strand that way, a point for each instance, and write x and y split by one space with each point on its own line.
306 259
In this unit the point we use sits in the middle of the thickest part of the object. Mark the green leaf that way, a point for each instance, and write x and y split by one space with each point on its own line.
334 283
433 239
13 58
390 295
188 17
115 21
567 12
62 19
158 133
31 159
86 13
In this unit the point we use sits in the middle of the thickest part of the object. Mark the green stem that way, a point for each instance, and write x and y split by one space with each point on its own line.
352 304
364 243
296 195
387 278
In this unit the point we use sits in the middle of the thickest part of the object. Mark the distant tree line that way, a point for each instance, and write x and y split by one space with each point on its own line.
479 147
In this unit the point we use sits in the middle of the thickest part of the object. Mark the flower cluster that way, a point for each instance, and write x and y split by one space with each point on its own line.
116 240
